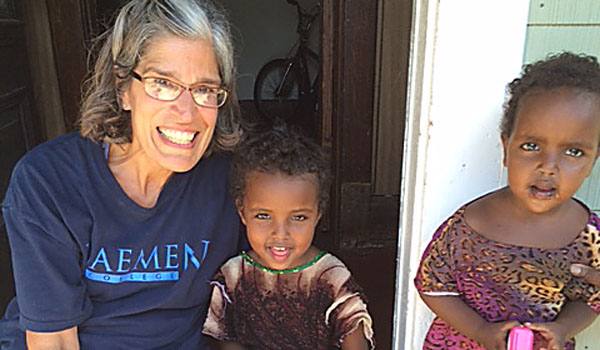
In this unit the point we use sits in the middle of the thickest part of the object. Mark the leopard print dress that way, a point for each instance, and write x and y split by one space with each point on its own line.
501 281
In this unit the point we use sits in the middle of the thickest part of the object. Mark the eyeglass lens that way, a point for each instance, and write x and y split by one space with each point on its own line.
166 90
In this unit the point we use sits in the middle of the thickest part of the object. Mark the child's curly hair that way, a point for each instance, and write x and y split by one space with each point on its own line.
561 70
280 150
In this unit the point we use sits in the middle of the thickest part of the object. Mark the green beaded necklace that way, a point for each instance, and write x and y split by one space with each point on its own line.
283 272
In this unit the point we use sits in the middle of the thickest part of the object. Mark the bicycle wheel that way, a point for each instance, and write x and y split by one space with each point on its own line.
277 89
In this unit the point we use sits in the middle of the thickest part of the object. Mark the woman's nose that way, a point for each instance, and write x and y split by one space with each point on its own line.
186 107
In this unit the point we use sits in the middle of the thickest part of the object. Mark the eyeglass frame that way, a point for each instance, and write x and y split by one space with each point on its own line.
182 87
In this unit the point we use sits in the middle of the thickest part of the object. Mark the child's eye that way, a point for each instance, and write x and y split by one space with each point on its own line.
530 146
574 152
299 218
262 216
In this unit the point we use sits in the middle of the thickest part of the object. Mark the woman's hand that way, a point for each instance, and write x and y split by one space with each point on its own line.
587 273
492 335
62 340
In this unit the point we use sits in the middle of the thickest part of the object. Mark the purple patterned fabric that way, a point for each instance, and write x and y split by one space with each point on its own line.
502 281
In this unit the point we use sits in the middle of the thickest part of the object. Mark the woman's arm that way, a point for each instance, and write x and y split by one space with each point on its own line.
356 340
63 340
465 320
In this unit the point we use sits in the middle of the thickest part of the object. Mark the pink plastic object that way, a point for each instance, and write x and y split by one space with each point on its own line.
520 338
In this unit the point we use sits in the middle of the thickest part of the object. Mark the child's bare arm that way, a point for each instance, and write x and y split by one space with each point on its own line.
574 317
356 340
224 345
465 320
229 345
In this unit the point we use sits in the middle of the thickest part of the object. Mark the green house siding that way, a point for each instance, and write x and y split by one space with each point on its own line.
566 25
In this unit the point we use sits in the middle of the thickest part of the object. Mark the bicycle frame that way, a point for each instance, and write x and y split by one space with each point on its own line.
286 82
300 53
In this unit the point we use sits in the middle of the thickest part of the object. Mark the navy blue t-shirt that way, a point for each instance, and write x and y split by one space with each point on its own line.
84 254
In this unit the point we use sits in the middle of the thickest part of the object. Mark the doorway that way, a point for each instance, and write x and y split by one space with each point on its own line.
19 125
363 48
365 65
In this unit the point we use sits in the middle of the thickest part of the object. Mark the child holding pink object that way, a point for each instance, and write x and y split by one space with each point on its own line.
503 260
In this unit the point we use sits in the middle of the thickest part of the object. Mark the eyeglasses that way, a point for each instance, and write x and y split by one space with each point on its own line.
166 90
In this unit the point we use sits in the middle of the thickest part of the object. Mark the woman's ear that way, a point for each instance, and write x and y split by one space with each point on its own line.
125 105
123 95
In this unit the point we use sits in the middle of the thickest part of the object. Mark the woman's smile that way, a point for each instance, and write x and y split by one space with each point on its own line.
172 135
179 138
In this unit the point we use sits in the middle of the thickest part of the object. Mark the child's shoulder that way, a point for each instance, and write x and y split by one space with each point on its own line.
592 217
330 261
484 210
332 271
232 268
332 266
474 211
594 220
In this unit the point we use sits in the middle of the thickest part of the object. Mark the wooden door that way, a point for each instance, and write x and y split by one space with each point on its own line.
42 65
364 67
72 26
19 127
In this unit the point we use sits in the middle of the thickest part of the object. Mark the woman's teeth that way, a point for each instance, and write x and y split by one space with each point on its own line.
178 137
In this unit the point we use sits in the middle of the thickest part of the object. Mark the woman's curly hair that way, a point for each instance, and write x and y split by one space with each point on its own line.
560 70
280 150
138 23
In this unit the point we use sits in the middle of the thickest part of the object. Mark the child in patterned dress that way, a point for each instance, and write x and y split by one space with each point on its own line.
285 293
503 259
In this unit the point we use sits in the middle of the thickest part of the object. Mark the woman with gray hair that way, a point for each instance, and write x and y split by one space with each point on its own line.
115 230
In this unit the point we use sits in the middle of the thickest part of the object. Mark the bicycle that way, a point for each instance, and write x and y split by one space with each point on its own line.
283 87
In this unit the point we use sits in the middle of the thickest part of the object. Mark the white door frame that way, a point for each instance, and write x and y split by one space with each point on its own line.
463 53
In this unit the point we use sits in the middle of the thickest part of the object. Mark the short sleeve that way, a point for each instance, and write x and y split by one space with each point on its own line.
348 310
219 322
216 321
588 254
47 261
434 276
